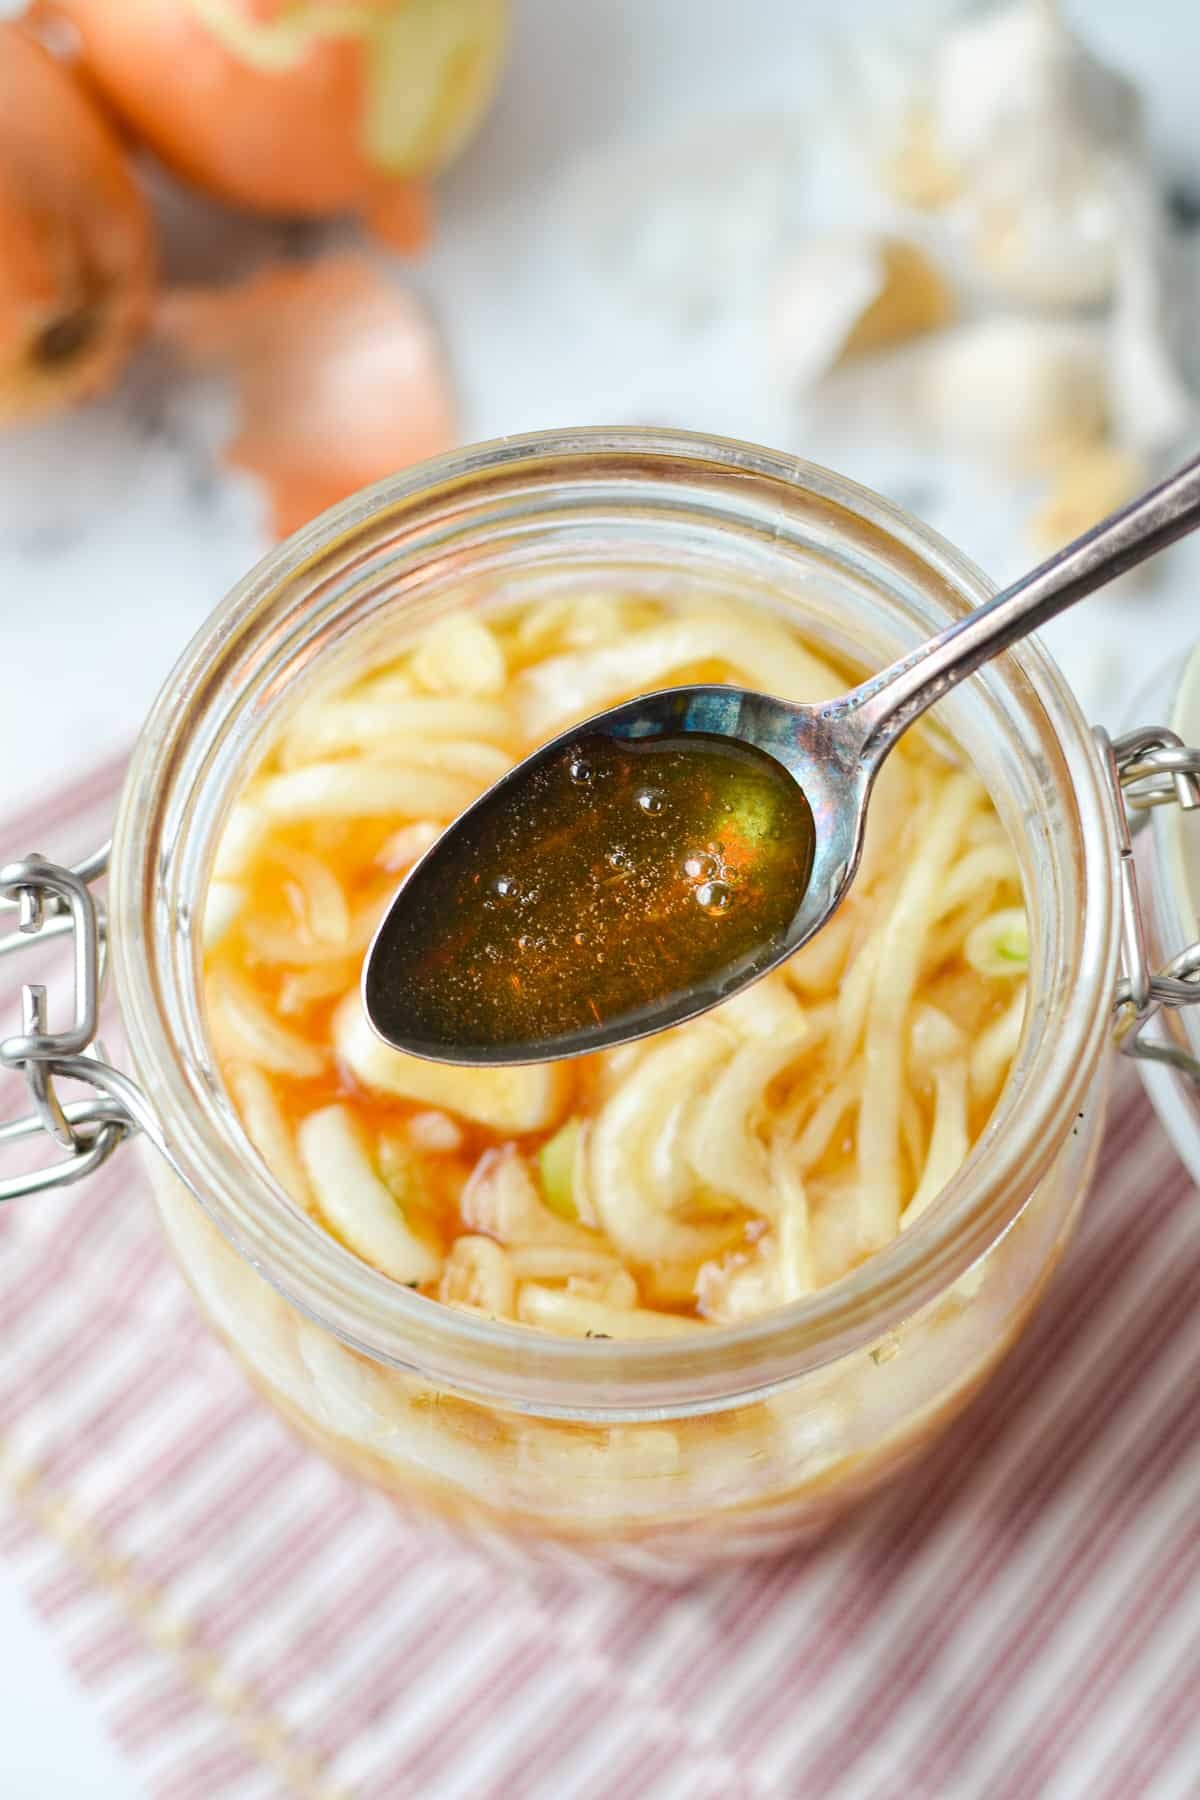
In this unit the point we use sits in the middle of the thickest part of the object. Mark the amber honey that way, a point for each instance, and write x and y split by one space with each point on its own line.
613 879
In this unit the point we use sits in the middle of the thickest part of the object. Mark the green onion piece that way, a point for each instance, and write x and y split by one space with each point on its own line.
999 945
556 1166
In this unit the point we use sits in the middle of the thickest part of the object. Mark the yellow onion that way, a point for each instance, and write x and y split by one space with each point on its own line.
312 108
338 375
76 246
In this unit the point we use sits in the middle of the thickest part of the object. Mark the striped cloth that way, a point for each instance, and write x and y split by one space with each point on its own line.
1020 1618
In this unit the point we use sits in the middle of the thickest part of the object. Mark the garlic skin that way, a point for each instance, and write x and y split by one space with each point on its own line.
849 293
1151 323
1088 483
828 285
1041 134
1014 390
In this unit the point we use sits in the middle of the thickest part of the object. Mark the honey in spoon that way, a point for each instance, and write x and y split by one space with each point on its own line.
613 880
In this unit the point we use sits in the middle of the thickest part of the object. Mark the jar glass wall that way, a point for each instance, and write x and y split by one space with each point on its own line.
744 1437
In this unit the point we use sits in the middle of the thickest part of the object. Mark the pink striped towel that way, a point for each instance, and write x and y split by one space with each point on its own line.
1021 1618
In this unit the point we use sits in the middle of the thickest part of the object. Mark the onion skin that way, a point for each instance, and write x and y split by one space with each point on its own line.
271 107
338 375
77 260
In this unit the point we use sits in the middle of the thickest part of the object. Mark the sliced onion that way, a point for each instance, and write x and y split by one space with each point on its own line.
359 1206
269 1131
368 724
369 790
244 1029
635 1202
501 1200
510 1101
721 1142
479 1274
460 655
940 1046
562 688
573 1316
222 904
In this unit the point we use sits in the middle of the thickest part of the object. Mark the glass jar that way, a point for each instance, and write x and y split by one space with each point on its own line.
743 1439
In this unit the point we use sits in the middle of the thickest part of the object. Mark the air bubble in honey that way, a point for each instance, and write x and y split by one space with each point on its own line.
714 898
700 866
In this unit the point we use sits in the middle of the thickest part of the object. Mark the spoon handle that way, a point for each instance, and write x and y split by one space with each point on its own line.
888 703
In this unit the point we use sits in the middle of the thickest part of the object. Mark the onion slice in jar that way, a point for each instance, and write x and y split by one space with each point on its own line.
356 1202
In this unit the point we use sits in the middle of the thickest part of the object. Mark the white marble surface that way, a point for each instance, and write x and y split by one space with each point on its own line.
116 535
52 1743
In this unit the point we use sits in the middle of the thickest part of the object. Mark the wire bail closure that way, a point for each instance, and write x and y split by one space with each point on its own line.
1147 768
53 901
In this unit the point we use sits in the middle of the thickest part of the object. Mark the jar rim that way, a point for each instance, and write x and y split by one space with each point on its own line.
503 1362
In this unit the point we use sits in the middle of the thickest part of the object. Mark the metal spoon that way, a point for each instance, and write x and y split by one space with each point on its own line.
834 752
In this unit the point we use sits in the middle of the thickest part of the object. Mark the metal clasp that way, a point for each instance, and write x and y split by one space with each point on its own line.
53 901
1147 768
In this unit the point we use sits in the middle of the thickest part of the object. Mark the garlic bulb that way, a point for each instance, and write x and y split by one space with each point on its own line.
1039 131
1151 323
1014 390
848 293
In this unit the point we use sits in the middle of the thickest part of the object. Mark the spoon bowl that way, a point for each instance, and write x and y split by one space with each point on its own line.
823 760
